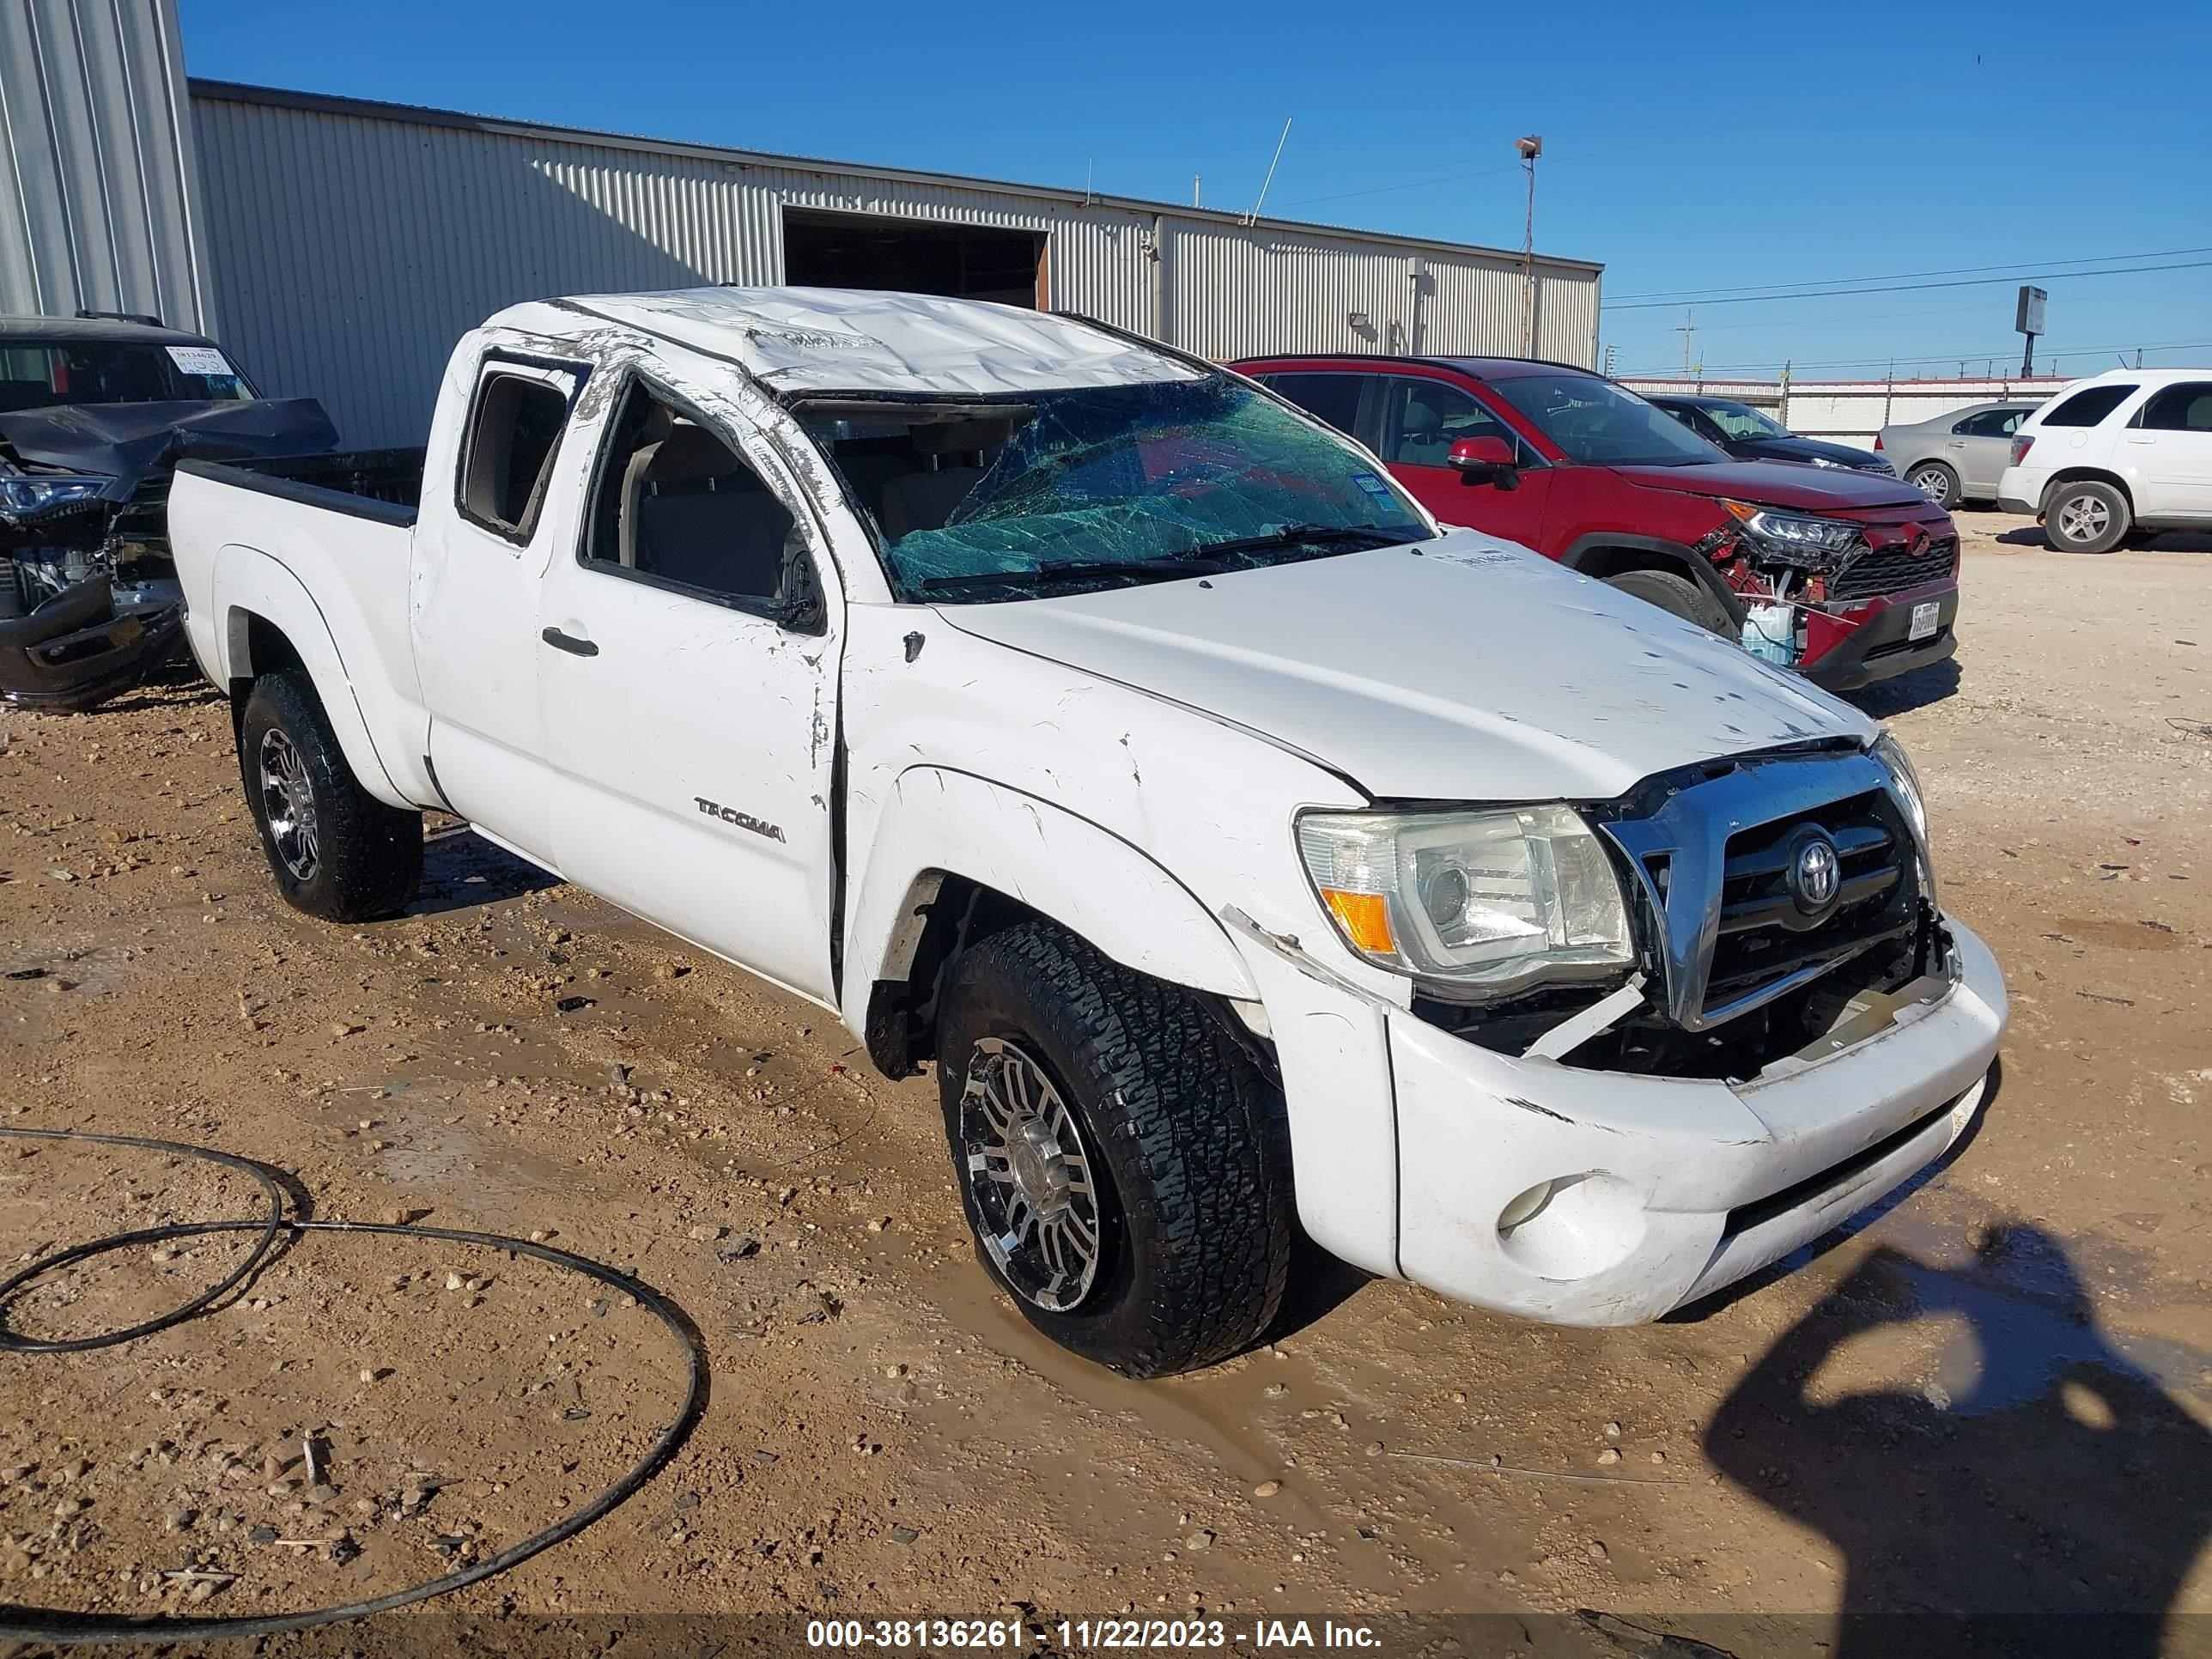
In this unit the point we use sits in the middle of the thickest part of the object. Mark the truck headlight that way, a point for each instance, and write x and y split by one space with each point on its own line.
22 496
1475 904
1792 533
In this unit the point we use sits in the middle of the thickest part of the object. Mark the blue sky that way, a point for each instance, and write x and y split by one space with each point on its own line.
1687 146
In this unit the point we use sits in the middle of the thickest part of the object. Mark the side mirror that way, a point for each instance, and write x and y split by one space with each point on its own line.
799 608
1485 460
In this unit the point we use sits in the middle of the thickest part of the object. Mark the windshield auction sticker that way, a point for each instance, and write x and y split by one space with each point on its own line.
199 360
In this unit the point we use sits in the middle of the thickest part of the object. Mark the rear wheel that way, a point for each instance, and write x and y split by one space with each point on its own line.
1938 482
1678 596
1119 1159
335 850
2086 516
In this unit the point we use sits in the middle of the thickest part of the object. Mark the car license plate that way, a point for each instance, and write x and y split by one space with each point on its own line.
1924 621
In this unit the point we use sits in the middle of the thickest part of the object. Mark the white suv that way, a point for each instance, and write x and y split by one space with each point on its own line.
2125 452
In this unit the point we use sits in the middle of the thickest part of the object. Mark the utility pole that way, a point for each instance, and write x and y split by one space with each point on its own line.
1197 191
1688 328
1529 149
1609 350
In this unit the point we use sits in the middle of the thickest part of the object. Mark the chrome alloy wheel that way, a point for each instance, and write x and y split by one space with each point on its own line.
1029 1174
287 801
1931 482
2083 519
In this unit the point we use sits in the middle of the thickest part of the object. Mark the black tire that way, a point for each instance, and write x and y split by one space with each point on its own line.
1193 1206
2086 515
1678 596
1935 480
359 858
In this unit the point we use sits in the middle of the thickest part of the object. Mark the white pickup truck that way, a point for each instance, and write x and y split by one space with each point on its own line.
1243 849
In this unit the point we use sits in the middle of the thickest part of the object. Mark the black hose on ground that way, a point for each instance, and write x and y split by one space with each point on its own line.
19 1624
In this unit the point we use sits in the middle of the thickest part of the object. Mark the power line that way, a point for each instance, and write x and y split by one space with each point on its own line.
1697 296
1908 287
1711 369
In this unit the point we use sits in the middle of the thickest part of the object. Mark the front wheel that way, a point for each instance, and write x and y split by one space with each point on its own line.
1678 596
2086 516
335 850
1121 1160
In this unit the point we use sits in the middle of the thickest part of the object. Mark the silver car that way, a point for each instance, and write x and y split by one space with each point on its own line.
1957 456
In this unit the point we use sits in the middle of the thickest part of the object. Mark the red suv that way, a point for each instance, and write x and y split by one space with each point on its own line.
1849 577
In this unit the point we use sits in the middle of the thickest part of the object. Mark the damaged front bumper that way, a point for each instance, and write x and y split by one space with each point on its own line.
89 602
1657 1191
81 647
1588 1197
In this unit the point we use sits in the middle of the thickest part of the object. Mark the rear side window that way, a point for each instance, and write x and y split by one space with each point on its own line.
2089 406
513 436
2185 408
1331 398
1989 424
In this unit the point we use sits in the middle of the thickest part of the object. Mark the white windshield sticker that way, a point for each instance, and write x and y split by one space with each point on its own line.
200 359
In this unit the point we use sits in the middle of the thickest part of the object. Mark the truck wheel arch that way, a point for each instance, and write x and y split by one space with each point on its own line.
1605 553
955 857
271 622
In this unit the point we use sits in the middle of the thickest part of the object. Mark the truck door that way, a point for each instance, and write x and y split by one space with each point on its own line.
473 603
687 659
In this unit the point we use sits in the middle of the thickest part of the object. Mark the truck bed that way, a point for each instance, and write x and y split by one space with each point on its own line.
310 557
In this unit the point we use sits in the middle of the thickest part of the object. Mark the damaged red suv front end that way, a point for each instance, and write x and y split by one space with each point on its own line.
1847 576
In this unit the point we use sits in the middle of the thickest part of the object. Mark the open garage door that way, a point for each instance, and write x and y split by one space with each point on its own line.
913 255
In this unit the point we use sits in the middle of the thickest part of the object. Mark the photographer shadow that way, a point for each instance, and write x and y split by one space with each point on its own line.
2040 1492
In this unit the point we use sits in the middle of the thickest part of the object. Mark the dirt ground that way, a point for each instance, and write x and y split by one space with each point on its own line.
1995 1394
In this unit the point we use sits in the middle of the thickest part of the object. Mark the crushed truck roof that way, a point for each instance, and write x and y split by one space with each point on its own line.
828 339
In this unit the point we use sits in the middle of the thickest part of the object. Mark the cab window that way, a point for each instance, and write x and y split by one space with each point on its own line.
514 431
677 507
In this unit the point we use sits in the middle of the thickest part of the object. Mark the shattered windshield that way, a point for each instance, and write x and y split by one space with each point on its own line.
980 501
48 374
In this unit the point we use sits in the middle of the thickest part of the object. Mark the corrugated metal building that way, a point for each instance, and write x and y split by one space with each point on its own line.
97 183
352 241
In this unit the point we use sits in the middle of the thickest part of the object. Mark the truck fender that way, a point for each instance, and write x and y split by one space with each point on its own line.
938 823
248 583
1589 555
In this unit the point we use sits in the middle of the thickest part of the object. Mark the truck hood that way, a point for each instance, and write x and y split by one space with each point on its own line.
131 442
1464 668
1781 483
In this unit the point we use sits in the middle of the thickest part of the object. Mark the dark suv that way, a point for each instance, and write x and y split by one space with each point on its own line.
1849 577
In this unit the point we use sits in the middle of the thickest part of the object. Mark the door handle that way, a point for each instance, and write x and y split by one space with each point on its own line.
569 642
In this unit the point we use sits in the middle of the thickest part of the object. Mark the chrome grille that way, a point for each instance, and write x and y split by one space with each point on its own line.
1886 570
1763 938
1709 859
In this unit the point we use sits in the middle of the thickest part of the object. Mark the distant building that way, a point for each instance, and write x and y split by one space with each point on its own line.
339 247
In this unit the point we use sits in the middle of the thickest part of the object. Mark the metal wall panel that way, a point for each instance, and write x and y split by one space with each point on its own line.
353 243
97 179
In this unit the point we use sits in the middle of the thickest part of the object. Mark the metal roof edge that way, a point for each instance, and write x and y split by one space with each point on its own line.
369 109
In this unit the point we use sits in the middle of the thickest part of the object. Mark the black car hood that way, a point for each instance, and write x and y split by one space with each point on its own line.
1802 449
131 442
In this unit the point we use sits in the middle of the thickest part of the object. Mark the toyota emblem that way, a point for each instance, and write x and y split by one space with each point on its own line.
1813 874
